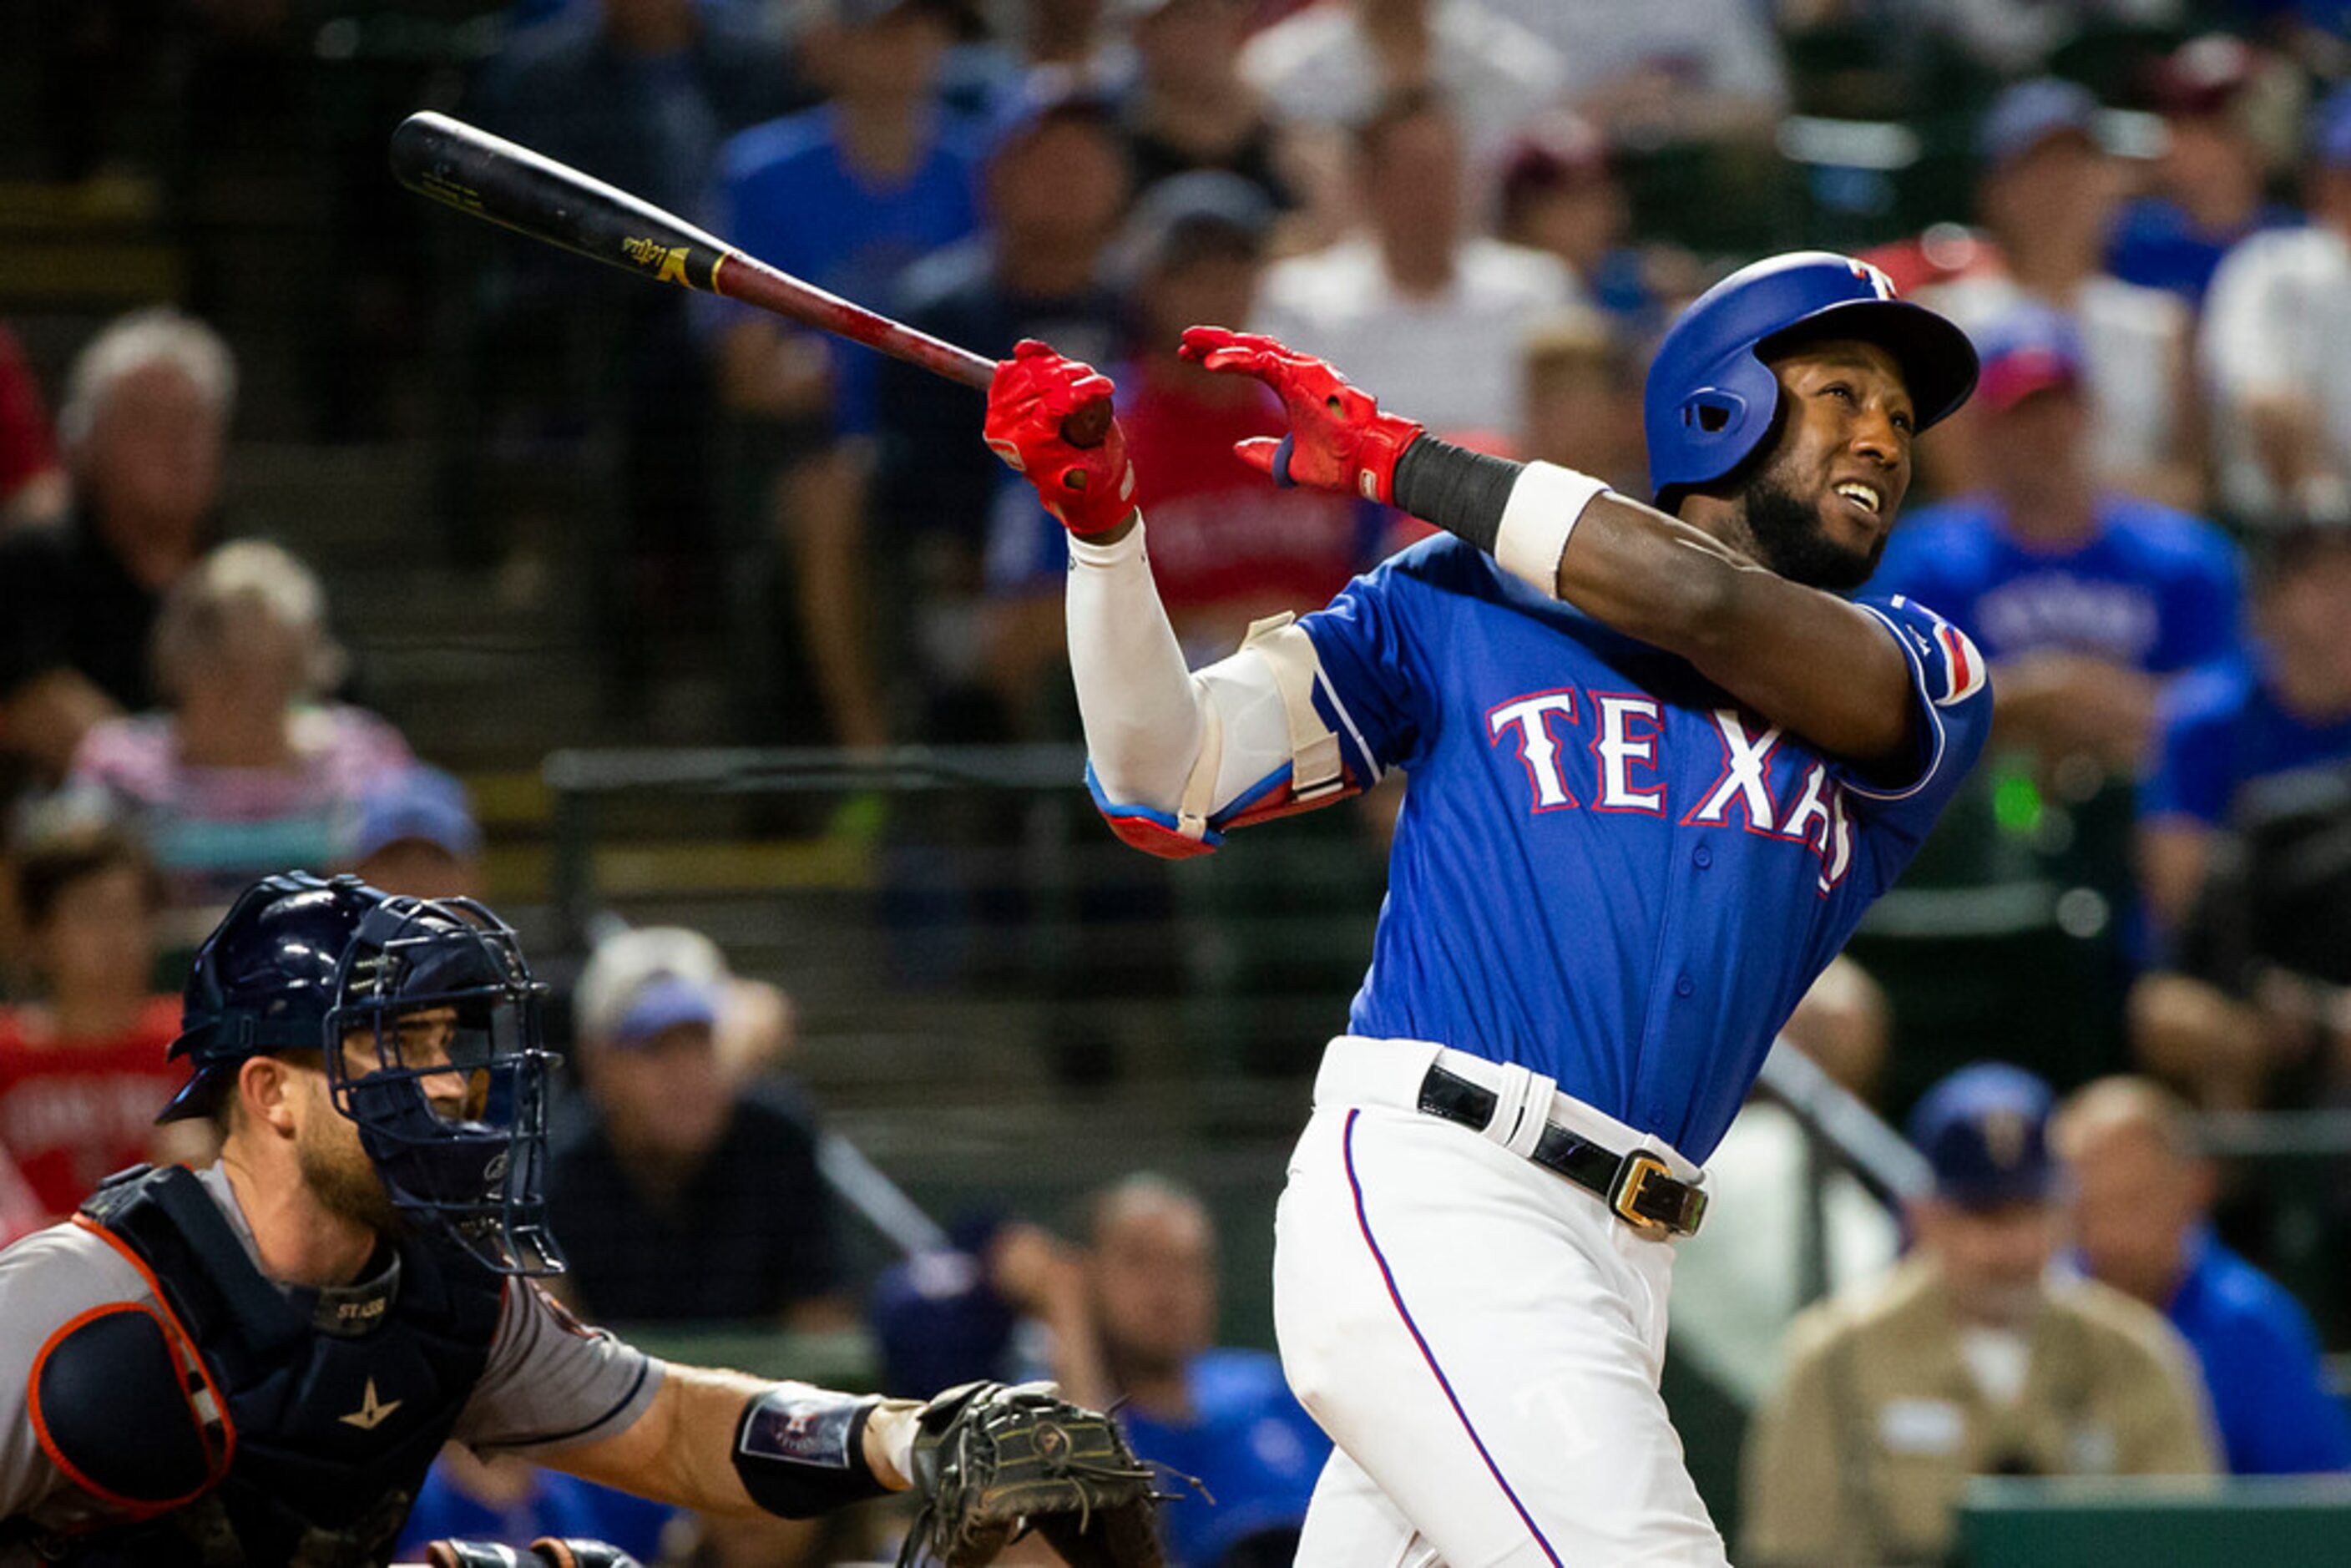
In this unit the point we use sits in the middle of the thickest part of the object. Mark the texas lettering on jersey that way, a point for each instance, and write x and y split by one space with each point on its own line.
1620 766
1606 868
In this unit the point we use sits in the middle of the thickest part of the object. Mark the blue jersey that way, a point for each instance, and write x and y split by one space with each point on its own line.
1249 1443
2261 1363
2152 589
786 195
1606 869
2221 730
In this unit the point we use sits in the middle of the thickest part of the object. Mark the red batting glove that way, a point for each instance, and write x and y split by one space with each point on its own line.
1089 489
1338 440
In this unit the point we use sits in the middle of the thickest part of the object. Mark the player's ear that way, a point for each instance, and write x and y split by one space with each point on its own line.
266 1090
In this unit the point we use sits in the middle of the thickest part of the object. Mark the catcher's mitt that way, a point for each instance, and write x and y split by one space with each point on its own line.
994 1461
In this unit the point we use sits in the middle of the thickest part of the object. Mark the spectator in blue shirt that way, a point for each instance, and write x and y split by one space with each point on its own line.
2141 1196
512 1501
1224 1416
847 195
2085 599
2227 107
2282 704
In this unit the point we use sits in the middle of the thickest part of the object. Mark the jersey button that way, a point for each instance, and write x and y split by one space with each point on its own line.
1684 986
1702 857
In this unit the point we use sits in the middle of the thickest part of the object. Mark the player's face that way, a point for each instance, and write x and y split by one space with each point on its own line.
1820 509
422 1039
1993 1260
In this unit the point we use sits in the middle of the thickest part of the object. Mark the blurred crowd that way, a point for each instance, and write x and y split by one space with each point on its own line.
1483 211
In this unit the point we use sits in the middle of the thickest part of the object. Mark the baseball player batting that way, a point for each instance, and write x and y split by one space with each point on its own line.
1660 767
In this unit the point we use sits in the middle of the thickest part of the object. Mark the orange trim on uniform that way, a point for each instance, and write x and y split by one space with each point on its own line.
176 1332
138 1509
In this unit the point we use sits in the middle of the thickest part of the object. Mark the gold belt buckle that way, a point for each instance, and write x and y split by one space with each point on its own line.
1624 1192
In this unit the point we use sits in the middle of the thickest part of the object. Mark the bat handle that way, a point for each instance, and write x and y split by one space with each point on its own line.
1089 426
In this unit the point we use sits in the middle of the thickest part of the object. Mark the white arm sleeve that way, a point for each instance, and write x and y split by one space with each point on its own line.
1151 724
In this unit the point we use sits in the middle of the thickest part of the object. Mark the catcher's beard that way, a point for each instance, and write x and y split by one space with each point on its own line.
336 1168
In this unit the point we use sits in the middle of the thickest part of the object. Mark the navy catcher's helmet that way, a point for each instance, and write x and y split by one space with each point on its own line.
301 964
1711 400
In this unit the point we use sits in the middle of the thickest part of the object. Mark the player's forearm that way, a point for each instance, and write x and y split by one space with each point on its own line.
1805 660
1141 710
684 1449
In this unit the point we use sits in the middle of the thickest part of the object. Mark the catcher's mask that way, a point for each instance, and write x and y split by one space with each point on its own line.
394 992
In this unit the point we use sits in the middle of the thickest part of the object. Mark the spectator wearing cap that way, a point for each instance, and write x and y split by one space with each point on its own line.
144 429
1970 1359
699 1179
2047 194
2224 104
2141 1196
2276 348
1559 192
250 766
1226 548
1418 300
417 836
894 179
2086 599
1056 186
1189 108
83 1068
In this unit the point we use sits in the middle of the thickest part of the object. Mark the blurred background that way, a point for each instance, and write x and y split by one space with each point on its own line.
339 532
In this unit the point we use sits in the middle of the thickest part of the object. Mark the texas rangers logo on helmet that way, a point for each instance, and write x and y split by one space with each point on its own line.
1881 284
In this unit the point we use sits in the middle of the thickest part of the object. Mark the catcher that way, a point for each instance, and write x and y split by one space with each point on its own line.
256 1362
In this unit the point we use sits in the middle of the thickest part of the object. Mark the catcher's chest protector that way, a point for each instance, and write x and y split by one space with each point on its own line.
333 1432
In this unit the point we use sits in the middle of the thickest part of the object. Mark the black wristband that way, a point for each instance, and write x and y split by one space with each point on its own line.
1462 491
800 1451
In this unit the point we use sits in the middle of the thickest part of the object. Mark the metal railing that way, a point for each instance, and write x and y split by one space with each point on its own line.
1043 836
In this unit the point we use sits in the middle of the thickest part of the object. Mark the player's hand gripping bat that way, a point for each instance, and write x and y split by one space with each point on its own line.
491 178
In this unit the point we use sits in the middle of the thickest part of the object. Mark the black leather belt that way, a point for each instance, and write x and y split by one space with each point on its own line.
1640 1186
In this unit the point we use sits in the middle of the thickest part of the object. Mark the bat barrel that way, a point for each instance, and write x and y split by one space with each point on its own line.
488 177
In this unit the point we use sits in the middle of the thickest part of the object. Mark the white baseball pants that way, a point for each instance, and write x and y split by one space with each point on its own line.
1481 1338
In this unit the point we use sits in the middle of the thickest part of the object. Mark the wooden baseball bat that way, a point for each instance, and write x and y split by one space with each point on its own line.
465 167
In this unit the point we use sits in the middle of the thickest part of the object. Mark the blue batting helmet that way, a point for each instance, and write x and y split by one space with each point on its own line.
1711 400
391 991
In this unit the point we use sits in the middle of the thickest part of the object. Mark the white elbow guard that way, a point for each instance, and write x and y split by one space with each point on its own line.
1315 768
